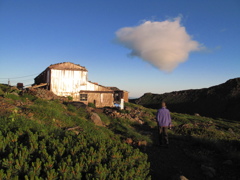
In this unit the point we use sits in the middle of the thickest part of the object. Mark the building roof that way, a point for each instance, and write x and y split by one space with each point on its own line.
63 66
115 89
67 66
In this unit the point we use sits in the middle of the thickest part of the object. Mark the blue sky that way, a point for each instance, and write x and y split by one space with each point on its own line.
36 34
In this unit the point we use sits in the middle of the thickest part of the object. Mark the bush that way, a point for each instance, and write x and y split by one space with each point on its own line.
1 92
105 118
62 155
91 105
29 97
70 98
71 108
5 88
12 96
35 144
127 130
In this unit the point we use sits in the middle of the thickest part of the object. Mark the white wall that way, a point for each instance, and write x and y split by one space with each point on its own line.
68 82
71 82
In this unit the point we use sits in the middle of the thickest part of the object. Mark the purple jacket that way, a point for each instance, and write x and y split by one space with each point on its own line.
164 117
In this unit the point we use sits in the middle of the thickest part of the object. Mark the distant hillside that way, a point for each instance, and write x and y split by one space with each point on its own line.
221 101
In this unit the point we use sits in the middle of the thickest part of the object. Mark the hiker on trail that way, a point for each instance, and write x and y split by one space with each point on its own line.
164 122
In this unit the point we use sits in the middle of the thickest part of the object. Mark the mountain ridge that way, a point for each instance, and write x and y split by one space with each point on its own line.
219 101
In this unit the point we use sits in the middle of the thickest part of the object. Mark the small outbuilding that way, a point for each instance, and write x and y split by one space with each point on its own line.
119 94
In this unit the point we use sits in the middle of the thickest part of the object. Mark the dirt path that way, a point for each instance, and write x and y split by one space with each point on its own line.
172 162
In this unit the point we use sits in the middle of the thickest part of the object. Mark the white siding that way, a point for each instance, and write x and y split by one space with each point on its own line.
68 82
71 82
91 87
95 87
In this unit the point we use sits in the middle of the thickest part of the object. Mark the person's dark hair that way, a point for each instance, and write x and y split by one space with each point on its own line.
163 104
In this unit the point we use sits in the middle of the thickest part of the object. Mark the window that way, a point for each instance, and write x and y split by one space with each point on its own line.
83 97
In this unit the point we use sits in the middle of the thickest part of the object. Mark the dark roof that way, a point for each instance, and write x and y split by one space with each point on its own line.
67 66
114 88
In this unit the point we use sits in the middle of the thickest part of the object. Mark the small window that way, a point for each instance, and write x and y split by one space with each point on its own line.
83 97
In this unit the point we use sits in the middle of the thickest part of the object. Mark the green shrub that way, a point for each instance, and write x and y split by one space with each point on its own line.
71 108
127 104
91 105
70 98
5 88
30 97
38 147
105 118
1 92
51 113
12 96
150 123
126 130
92 154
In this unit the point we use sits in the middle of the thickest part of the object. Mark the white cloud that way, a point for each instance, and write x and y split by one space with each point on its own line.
163 44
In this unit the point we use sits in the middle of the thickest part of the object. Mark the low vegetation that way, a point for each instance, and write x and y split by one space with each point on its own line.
35 143
36 140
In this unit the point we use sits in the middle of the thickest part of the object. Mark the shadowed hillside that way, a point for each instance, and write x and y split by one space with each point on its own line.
221 101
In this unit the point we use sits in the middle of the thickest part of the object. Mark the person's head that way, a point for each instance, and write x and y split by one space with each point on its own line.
163 104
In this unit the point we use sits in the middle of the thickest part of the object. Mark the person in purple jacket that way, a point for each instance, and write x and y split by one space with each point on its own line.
164 122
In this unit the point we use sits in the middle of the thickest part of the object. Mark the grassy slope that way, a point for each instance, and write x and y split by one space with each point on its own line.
28 122
35 143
